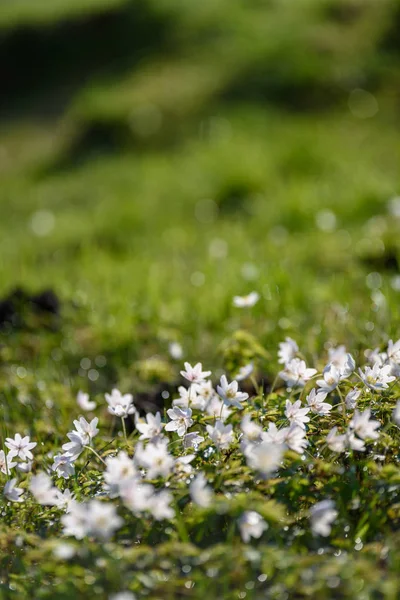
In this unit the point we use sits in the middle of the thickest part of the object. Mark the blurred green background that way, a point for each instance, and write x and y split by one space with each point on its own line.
158 157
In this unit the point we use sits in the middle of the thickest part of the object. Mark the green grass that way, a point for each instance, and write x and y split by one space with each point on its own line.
189 157
142 255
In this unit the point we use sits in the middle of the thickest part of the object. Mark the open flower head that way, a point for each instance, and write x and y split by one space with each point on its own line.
222 435
7 461
377 378
155 458
316 403
181 420
119 469
12 492
265 457
86 430
322 515
296 413
195 374
120 405
200 492
42 489
296 373
84 402
20 446
364 426
246 301
63 465
287 351
251 525
230 393
151 428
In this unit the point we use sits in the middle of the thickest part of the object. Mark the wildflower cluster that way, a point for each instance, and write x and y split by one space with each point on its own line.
184 457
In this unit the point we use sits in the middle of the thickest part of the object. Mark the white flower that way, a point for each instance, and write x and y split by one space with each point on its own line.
393 351
273 435
64 499
102 519
296 414
287 351
180 420
339 443
335 372
251 524
160 507
20 446
63 466
336 443
119 469
376 356
74 447
92 518
195 374
83 401
246 301
296 373
322 516
294 437
192 440
221 435
42 489
86 431
6 462
342 360
155 458
378 377
245 372
76 522
11 492
347 366
265 457
230 393
123 596
119 404
175 350
352 397
337 355
151 428
195 400
200 492
216 408
252 431
396 413
363 426
353 442
183 466
395 369
195 396
140 498
25 467
136 496
315 401
187 397
204 392
331 378
64 551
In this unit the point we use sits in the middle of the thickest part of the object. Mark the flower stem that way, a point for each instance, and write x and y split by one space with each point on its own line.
124 429
343 404
95 453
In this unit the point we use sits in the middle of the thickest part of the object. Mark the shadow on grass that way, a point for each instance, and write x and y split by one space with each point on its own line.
43 66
